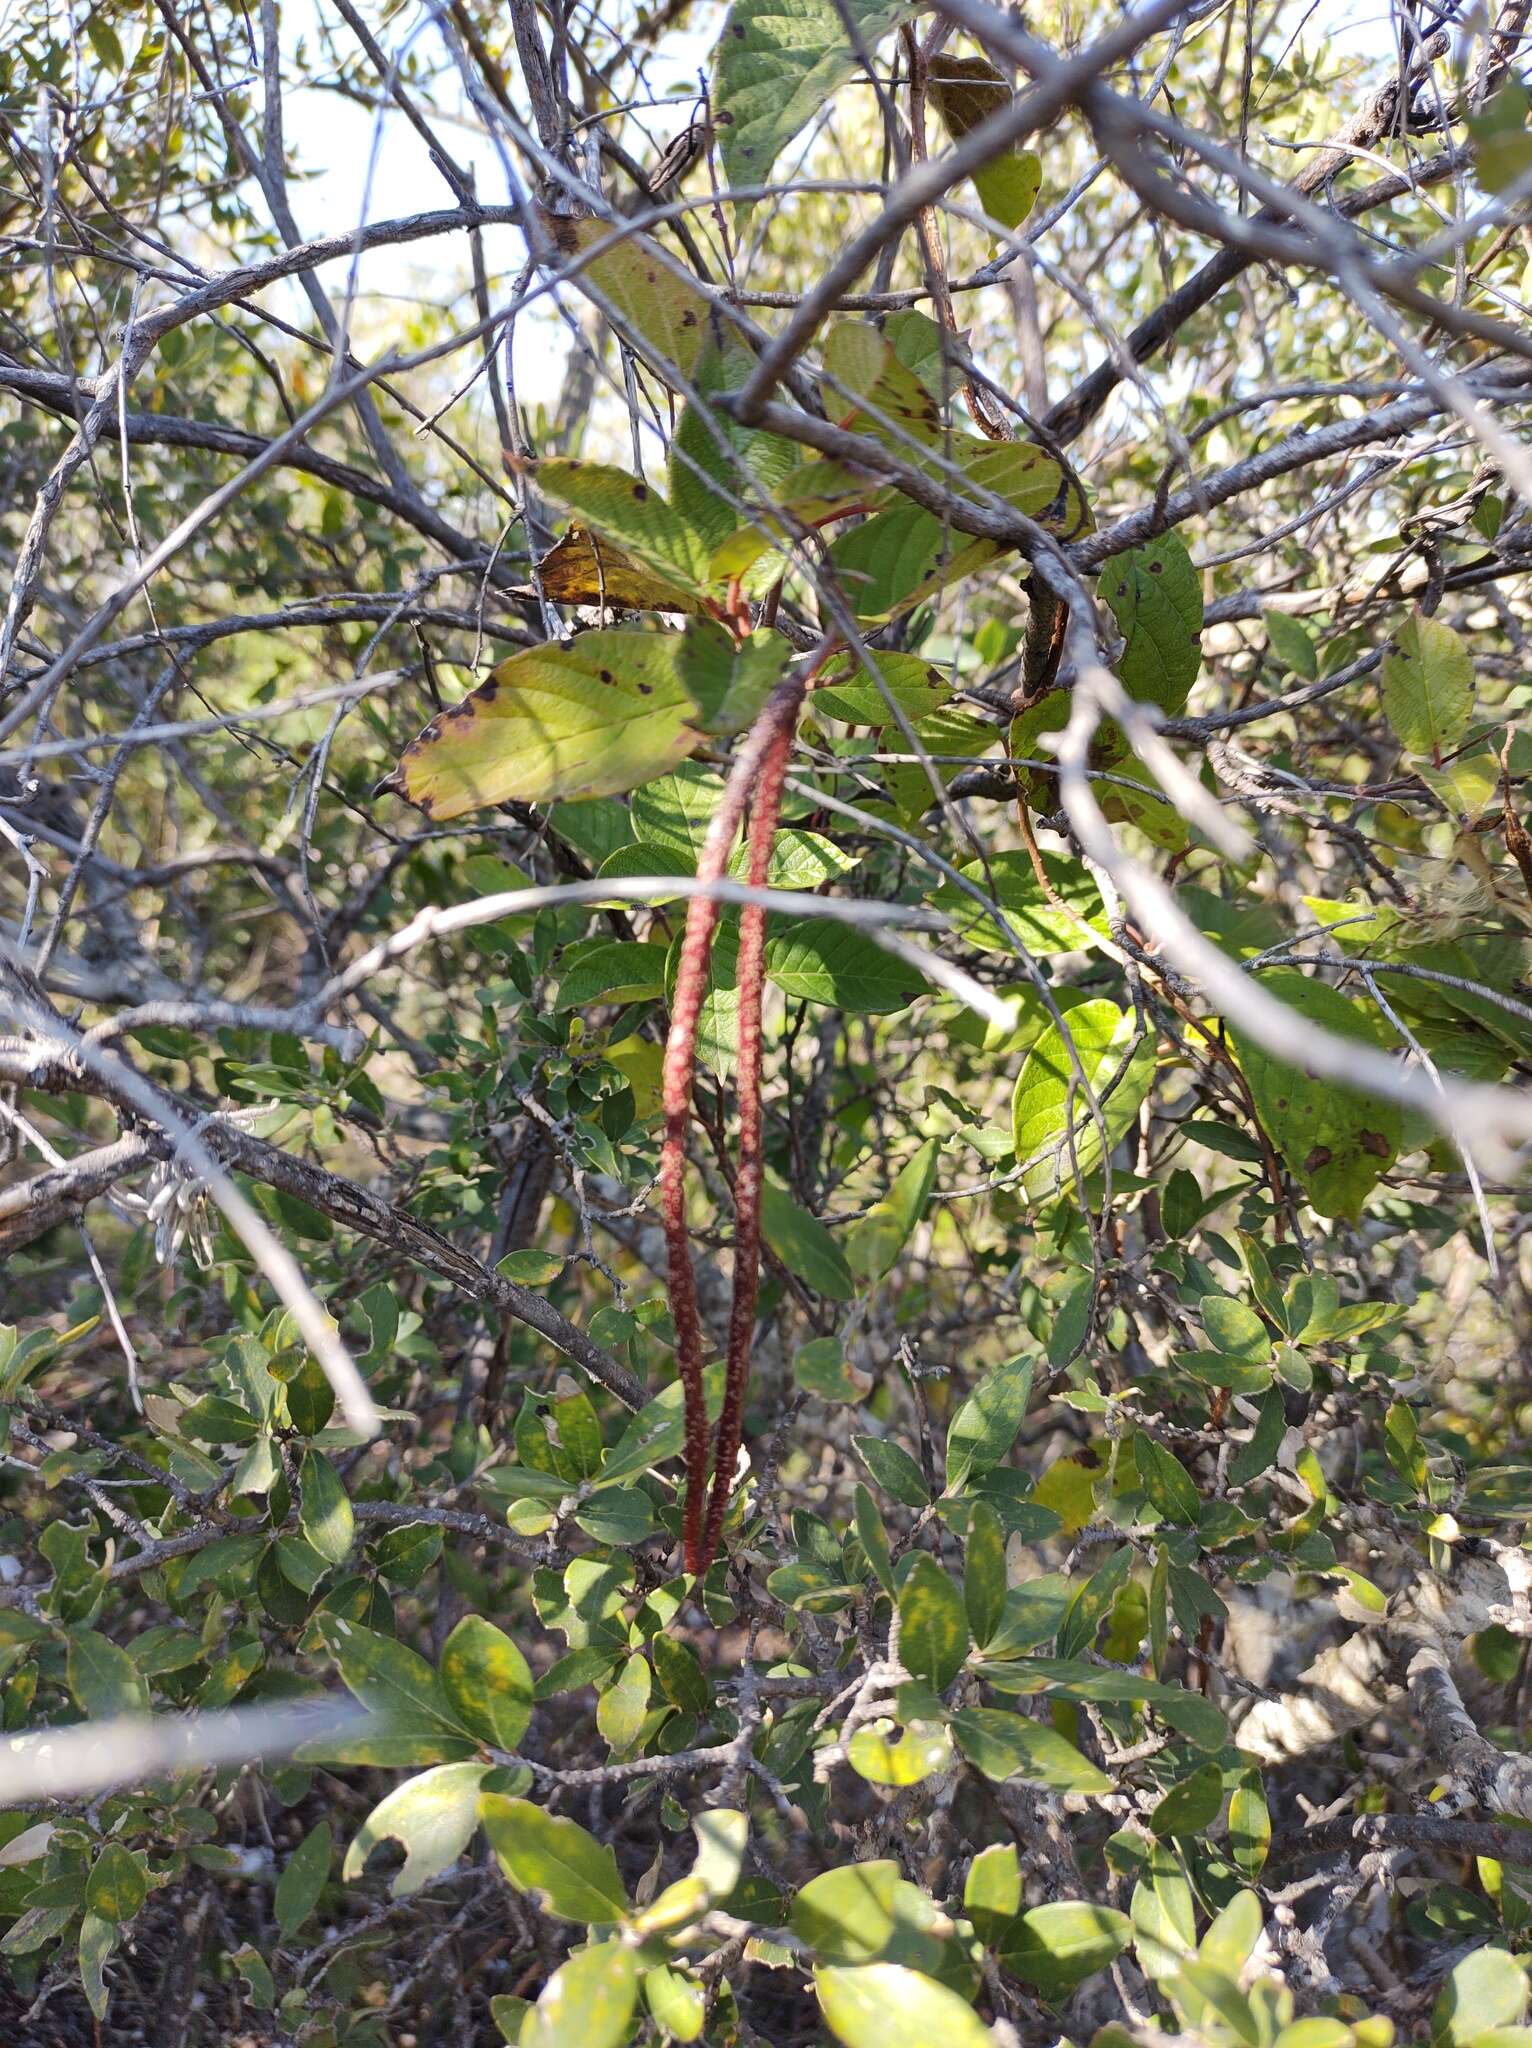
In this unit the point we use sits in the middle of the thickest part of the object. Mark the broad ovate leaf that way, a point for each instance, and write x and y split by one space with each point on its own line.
896 407
595 718
729 680
776 64
1057 1133
1427 686
1336 1142
488 1682
1155 595
1056 1947
667 314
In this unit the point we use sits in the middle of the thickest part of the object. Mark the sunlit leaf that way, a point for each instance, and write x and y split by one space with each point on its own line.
591 719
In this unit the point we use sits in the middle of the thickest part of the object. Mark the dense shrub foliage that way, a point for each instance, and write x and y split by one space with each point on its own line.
764 912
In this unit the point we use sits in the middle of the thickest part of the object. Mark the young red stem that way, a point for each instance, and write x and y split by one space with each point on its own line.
779 712
764 813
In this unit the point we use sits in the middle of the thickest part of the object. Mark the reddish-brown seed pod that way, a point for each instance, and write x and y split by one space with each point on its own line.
764 813
764 741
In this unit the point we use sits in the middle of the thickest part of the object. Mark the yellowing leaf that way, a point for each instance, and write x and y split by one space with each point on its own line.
586 568
966 91
591 719
669 315
898 405
626 510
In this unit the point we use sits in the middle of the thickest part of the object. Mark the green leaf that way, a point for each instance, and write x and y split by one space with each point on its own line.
966 91
717 466
875 1242
1155 595
384 1672
418 1725
1249 1825
984 1427
326 1518
681 1677
1427 686
809 1251
104 1679
898 407
923 1747
594 718
906 679
623 1706
508 2013
883 2005
992 1890
611 971
1487 1989
118 1883
1291 644
903 553
676 2003
668 314
1004 1745
1093 1602
540 1852
531 1269
1189 1807
431 1817
893 1469
1336 1141
1166 1480
1164 1916
868 1913
729 680
821 960
933 1630
1010 881
776 64
819 1368
1049 1102
487 1682
1259 1454
657 1431
303 1879
1235 1329
98 1937
588 2002
722 1832
1502 145
873 1537
984 1577
1057 1947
